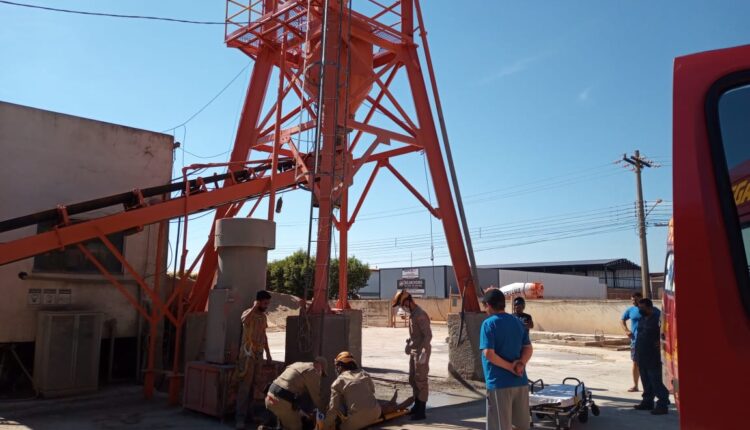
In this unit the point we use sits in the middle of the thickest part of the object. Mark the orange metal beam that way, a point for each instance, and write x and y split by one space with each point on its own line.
20 249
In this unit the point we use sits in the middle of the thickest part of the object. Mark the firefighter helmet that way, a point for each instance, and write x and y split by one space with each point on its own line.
344 357
400 297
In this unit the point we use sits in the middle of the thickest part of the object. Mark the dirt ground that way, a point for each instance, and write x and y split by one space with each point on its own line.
282 306
451 405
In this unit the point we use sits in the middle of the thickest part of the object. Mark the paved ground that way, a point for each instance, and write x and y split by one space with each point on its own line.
451 405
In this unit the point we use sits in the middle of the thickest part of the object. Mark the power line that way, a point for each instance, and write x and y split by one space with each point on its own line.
512 191
229 84
516 244
111 15
621 217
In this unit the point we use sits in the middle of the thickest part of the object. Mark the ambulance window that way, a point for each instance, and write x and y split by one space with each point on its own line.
734 123
728 125
669 273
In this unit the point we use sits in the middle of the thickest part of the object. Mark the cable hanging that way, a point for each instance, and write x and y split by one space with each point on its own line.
111 15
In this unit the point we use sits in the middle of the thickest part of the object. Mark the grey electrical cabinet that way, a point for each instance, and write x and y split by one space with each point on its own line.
66 358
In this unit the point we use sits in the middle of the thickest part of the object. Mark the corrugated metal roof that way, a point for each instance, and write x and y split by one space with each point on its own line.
604 262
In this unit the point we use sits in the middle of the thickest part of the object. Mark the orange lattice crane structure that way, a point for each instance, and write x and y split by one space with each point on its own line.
333 112
333 60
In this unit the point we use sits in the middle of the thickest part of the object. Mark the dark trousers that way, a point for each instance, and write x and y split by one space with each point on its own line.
653 386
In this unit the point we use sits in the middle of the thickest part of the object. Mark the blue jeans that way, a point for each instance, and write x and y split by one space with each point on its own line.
653 386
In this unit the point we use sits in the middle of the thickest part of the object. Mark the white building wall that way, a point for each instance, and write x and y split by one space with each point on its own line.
50 159
558 286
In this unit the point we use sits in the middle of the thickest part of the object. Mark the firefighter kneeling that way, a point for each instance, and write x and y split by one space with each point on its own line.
297 381
353 404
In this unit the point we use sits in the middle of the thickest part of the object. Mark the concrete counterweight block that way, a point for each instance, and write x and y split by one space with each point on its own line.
242 245
464 359
341 332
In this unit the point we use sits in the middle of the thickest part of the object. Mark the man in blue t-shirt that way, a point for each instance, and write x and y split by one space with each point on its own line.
506 349
634 315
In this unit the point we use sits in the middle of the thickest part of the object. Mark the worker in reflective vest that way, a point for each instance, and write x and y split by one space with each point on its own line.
418 348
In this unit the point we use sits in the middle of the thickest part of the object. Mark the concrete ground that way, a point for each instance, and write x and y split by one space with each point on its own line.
451 405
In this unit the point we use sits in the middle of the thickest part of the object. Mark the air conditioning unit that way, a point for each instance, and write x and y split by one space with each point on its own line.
66 358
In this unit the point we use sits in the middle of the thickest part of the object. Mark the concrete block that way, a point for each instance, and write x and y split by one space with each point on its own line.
464 358
195 336
341 332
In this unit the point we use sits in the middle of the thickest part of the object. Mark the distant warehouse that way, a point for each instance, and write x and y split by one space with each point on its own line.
587 279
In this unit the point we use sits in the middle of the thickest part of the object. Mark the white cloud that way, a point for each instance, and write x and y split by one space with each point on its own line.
585 94
511 69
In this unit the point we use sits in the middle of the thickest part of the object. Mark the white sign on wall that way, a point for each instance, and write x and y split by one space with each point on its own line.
410 273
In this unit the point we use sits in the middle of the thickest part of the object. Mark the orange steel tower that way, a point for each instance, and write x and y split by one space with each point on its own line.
335 68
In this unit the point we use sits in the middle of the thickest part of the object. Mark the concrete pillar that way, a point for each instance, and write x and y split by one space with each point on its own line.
464 358
242 245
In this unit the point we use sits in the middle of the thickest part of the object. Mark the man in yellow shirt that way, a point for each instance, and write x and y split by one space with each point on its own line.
254 342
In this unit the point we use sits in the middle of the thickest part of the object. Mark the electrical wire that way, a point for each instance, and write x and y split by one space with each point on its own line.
111 15
231 81
618 216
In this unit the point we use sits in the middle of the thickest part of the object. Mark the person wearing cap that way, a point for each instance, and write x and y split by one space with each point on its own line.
506 349
254 343
296 381
353 404
418 348
519 305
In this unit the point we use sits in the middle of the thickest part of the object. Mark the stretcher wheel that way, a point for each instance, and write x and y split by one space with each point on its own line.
583 416
595 410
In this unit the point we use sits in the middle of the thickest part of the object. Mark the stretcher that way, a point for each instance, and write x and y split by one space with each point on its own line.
561 403
320 417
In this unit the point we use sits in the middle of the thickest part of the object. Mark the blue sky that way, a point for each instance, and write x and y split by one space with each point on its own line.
540 98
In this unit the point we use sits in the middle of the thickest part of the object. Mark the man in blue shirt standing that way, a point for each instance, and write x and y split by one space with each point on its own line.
648 356
506 349
633 314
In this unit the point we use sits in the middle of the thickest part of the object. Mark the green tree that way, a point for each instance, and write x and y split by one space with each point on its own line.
358 273
289 275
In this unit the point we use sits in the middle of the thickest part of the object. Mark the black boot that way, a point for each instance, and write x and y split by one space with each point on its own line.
414 407
419 412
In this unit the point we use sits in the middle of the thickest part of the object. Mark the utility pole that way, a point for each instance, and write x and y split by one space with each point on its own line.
638 164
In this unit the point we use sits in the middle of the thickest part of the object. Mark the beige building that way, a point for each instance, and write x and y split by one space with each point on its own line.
50 159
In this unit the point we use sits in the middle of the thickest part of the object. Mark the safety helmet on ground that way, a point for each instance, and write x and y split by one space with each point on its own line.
344 357
400 297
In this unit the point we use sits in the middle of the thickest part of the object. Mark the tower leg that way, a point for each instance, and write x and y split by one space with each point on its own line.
427 136
343 302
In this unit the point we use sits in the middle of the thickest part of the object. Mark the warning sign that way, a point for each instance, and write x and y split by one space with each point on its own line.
34 297
49 296
64 296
